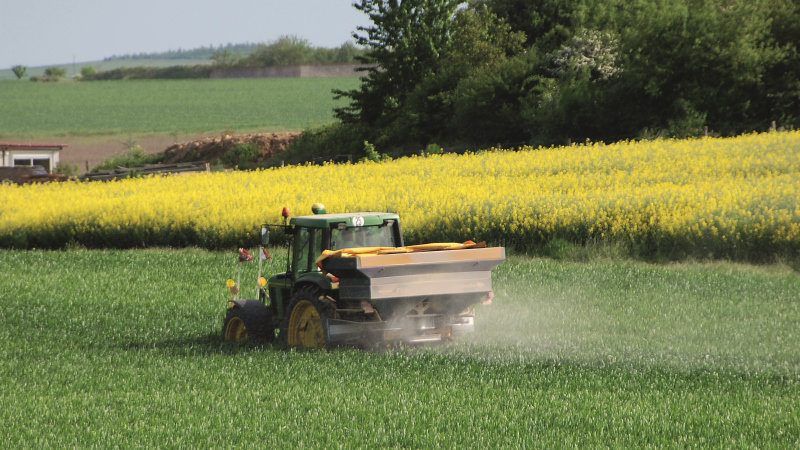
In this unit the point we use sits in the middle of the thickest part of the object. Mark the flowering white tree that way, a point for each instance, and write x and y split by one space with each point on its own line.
591 50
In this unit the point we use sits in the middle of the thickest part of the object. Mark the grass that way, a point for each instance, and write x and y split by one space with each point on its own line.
120 349
166 106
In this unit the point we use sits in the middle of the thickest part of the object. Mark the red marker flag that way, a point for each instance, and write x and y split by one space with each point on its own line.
244 255
264 255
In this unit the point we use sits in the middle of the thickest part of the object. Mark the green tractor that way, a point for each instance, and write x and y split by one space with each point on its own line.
350 280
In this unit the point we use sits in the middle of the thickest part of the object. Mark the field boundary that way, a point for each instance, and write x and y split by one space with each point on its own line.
293 71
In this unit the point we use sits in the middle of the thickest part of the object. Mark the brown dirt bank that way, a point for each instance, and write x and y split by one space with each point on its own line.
89 151
212 148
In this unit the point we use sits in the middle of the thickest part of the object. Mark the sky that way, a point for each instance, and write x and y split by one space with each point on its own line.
36 33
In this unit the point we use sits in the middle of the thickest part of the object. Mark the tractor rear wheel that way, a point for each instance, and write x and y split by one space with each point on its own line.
248 319
306 323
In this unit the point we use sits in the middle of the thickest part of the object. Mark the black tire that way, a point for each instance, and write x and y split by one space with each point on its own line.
305 323
248 320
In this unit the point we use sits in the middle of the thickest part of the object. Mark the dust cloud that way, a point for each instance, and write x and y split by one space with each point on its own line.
573 326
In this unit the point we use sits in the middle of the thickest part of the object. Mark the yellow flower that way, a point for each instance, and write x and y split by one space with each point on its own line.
719 194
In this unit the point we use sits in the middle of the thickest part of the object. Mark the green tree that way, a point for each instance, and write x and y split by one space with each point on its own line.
87 71
286 50
546 23
290 50
241 153
55 73
65 168
347 52
135 156
403 47
482 40
225 58
19 71
548 71
488 104
780 96
694 63
434 110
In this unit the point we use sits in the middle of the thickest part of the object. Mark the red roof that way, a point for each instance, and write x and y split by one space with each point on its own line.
7 145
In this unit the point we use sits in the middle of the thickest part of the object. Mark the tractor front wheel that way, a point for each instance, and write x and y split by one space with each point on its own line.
247 319
306 323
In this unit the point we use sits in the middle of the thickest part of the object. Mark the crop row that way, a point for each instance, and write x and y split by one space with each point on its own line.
108 349
713 197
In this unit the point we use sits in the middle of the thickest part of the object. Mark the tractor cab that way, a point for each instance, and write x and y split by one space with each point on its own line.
312 234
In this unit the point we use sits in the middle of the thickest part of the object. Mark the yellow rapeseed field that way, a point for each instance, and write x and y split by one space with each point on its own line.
721 197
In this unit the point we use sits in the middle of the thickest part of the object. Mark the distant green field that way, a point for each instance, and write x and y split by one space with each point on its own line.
141 106
117 348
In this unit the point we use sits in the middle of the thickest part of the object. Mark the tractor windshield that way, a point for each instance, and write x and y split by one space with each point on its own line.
367 236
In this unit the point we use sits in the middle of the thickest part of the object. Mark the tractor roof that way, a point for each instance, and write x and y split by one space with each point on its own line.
350 219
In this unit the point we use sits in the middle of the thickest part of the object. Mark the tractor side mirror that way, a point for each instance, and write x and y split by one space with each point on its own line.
264 235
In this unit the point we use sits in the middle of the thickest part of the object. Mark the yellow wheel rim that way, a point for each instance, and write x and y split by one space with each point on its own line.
305 327
235 331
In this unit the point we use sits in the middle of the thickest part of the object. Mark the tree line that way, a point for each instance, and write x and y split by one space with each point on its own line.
543 72
194 53
286 50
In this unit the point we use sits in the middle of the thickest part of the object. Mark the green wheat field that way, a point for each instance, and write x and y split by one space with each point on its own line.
112 348
167 106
